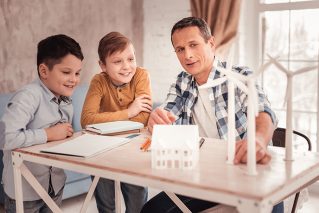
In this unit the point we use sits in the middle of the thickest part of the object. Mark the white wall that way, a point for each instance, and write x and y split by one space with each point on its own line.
159 56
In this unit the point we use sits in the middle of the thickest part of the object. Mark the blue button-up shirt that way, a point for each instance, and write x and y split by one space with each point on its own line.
32 109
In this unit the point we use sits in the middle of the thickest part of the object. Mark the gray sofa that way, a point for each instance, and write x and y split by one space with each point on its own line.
76 183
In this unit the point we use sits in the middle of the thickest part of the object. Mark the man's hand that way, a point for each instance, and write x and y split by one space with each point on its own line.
160 116
142 103
262 155
59 131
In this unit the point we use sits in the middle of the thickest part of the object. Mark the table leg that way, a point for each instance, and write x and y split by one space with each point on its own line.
17 161
89 194
178 202
118 200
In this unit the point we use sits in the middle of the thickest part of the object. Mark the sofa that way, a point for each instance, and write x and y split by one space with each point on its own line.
76 183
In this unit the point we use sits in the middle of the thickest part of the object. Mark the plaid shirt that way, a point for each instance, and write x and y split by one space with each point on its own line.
183 95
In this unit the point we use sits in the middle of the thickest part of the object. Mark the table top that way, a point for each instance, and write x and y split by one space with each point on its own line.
211 175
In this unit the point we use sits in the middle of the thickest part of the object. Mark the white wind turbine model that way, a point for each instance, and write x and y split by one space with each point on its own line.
247 85
288 100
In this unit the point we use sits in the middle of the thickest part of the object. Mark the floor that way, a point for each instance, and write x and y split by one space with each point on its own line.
73 205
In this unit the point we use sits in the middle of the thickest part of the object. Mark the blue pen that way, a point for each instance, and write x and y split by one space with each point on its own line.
132 136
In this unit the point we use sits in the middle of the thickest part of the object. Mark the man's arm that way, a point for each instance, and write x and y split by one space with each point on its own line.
264 131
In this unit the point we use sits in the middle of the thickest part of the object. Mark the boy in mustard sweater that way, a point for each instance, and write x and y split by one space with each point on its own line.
122 91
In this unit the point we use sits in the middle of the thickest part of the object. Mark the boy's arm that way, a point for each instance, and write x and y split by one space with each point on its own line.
91 108
19 112
143 87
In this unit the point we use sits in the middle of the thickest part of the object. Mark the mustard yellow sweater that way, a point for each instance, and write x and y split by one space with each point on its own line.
106 102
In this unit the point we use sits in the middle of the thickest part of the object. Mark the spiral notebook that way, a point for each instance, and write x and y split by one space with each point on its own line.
86 145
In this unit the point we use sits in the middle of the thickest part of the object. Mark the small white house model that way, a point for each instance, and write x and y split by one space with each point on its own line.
175 146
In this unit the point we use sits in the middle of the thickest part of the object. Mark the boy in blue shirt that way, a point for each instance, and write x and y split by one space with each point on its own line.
42 112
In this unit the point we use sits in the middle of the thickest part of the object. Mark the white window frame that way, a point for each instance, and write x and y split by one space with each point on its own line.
251 25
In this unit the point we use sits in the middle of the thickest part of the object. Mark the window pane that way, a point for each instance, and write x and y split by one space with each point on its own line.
277 33
275 83
304 35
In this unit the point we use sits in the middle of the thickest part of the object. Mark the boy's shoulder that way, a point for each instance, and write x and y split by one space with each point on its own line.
140 71
30 92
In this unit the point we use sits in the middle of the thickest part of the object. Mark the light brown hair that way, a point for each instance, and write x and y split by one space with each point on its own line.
110 43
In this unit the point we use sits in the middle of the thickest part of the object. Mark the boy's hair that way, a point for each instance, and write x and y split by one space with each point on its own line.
110 43
193 22
52 49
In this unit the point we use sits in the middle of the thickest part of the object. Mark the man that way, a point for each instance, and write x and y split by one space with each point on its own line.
207 108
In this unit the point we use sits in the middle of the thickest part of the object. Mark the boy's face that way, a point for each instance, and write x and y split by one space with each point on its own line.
120 66
63 77
195 55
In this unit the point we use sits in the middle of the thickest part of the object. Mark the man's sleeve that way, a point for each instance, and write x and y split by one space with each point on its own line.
174 100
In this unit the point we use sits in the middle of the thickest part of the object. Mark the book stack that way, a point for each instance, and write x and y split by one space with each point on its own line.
115 128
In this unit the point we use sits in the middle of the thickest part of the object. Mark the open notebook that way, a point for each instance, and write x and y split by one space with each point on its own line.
115 127
86 145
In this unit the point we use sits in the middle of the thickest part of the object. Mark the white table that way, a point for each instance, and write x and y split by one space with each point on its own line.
212 179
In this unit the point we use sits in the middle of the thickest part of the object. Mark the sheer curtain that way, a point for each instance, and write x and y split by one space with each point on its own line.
223 17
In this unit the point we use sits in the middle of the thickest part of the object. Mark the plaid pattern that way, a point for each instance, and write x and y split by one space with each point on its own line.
183 95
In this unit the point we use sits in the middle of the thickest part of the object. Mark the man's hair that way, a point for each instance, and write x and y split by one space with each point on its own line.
193 22
53 49
110 43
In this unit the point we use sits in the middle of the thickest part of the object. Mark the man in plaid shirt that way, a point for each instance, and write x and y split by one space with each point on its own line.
187 104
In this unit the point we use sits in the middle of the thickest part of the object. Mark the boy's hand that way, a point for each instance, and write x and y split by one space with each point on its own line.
59 131
142 103
160 116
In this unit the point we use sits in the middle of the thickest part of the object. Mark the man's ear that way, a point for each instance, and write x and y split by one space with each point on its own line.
43 71
211 41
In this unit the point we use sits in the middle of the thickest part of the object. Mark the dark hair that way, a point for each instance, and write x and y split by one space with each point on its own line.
52 49
110 43
193 22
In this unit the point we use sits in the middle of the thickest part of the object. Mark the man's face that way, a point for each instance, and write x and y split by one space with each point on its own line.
63 77
195 55
120 66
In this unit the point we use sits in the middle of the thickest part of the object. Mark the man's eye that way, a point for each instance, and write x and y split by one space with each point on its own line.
131 59
179 50
193 45
65 72
117 62
77 74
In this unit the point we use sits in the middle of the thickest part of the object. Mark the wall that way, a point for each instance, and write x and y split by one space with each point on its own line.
24 23
159 56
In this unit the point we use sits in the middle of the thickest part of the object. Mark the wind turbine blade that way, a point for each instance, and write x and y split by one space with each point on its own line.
262 69
282 68
305 69
239 84
212 83
235 75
